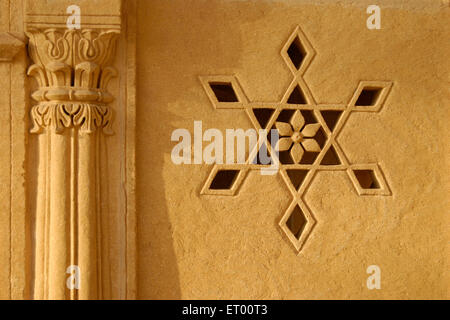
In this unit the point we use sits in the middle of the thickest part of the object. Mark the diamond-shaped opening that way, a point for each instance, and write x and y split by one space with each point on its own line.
297 96
285 115
320 137
368 97
224 179
309 116
367 179
224 91
331 158
296 53
296 222
263 115
308 157
285 157
331 118
297 177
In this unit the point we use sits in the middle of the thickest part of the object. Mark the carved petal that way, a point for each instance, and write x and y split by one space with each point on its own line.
297 152
284 144
297 121
311 145
37 118
310 130
107 121
284 129
55 117
88 117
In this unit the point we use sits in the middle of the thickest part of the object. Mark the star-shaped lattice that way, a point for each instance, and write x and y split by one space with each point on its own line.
308 137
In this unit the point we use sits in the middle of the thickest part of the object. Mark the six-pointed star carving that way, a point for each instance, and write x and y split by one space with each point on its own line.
304 127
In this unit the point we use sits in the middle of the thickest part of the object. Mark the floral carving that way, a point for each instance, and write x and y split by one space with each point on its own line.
58 116
73 70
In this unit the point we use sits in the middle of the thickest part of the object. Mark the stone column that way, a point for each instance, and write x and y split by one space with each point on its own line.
72 118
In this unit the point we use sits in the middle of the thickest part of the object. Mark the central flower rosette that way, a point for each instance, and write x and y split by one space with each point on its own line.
298 135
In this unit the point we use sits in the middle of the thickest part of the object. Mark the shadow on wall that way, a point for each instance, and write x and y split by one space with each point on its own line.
158 276
171 52
157 273
157 266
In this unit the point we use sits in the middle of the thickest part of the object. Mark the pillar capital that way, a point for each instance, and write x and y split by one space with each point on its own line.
73 69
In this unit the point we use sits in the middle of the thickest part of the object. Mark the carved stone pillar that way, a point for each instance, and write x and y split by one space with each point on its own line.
72 119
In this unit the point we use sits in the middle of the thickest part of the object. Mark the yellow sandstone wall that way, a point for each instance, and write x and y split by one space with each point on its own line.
196 246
